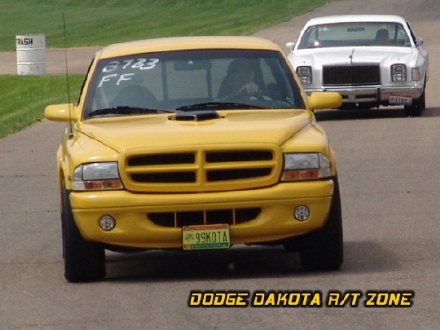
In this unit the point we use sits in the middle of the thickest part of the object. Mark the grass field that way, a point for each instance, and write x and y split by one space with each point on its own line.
23 98
101 22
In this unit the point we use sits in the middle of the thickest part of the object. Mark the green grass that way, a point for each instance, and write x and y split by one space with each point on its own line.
25 97
102 22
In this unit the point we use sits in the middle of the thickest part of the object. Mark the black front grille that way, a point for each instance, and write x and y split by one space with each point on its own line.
205 217
196 169
351 75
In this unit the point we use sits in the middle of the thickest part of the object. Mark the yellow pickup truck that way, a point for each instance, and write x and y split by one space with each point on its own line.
195 143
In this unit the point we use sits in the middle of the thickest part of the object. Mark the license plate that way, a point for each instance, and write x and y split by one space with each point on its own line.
206 237
400 100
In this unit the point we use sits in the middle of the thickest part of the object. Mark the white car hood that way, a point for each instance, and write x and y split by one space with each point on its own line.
319 57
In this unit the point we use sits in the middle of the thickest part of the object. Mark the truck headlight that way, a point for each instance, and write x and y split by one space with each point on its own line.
305 166
305 74
398 72
97 176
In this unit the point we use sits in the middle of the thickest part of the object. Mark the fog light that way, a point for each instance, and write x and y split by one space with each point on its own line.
107 223
301 213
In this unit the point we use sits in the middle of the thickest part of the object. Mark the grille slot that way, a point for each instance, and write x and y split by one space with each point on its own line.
237 156
351 75
205 217
172 177
235 174
162 159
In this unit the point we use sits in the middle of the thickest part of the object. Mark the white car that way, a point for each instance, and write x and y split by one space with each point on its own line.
371 60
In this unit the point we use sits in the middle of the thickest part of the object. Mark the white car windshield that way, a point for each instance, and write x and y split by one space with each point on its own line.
192 80
353 34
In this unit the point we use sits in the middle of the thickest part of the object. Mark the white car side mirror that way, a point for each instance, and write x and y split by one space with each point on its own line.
290 45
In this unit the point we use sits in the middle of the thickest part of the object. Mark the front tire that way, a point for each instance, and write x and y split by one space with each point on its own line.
323 248
416 108
83 261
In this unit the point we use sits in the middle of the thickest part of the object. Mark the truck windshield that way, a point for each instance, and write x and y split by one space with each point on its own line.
219 78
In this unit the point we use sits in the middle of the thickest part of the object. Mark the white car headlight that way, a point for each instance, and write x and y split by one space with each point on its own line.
97 176
398 72
305 166
305 74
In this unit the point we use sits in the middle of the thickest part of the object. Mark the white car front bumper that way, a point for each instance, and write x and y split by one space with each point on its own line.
373 94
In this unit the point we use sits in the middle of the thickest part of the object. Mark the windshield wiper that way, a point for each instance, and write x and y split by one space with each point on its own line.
217 106
126 110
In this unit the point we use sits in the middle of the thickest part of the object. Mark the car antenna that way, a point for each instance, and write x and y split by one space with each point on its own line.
67 77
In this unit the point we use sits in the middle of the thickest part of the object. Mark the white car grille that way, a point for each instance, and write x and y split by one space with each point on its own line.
351 75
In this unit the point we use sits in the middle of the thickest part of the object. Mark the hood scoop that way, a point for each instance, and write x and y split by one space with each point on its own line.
196 115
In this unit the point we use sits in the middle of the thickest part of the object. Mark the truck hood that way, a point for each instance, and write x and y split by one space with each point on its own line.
352 55
233 127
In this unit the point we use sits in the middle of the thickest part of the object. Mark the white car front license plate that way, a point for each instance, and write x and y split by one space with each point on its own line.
400 100
205 237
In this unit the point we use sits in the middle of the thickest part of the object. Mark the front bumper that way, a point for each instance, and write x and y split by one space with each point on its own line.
379 95
135 229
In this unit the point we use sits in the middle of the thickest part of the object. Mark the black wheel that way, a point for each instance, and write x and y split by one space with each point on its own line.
323 248
83 261
416 108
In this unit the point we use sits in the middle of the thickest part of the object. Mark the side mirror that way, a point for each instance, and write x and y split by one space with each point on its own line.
324 100
61 112
419 41
290 45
